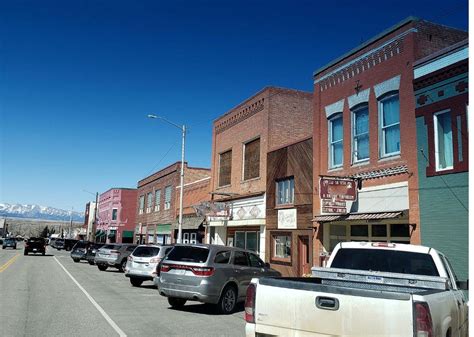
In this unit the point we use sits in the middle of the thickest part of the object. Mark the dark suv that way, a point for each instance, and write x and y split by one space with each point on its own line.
79 250
91 251
35 245
9 242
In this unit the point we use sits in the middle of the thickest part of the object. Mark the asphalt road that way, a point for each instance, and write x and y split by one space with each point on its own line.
38 297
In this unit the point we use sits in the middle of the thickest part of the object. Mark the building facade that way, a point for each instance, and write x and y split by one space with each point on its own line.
289 208
241 139
157 202
87 230
116 215
441 96
364 115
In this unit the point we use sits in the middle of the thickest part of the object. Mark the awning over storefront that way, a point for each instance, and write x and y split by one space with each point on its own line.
127 234
190 222
111 235
163 229
358 216
99 233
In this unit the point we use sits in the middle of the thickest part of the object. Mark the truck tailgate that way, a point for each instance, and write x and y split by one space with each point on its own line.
310 309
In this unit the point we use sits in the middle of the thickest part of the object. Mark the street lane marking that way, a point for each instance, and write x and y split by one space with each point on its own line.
96 305
8 263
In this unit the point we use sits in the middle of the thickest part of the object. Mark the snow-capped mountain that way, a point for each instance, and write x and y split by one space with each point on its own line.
38 212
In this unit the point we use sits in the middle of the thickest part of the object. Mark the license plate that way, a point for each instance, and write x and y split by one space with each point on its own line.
179 271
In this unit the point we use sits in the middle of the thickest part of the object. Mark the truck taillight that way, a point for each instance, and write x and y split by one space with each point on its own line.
424 324
165 268
250 303
114 252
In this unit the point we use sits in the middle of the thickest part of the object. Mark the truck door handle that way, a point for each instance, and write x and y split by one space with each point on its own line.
327 303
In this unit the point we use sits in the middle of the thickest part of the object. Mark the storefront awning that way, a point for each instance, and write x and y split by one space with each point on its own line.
111 235
358 216
99 234
190 222
127 234
163 229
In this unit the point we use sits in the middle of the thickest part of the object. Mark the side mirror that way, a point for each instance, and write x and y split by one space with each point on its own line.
463 285
267 265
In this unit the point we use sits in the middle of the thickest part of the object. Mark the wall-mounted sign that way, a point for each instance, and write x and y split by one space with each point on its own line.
287 218
338 189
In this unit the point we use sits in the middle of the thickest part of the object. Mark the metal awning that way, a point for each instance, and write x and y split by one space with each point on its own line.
358 216
190 222
127 234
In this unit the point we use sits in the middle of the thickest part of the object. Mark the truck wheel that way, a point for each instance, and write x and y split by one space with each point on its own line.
102 267
176 302
228 300
76 260
135 282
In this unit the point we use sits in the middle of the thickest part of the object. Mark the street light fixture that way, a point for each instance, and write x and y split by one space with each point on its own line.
183 130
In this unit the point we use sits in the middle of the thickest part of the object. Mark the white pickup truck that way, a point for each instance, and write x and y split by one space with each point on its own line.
367 289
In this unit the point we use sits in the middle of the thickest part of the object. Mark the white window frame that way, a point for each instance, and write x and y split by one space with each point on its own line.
382 128
157 204
112 217
193 238
141 205
168 202
435 125
149 201
354 144
185 238
331 143
290 199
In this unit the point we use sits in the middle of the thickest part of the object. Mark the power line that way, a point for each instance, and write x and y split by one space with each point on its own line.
162 158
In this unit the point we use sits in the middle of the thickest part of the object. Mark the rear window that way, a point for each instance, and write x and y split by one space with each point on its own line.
382 260
80 245
36 240
110 247
9 240
131 248
189 254
146 251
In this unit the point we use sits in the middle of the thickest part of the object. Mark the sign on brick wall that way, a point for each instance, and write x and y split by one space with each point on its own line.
335 192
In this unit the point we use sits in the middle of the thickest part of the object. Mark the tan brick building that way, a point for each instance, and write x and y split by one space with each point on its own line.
241 139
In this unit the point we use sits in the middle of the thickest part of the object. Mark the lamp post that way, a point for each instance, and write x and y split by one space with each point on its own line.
183 130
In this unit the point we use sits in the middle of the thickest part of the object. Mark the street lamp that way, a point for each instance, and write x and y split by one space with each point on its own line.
183 130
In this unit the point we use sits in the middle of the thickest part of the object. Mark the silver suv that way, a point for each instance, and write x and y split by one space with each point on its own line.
142 263
113 255
209 274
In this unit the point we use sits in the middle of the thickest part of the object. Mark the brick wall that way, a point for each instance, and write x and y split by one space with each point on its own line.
194 194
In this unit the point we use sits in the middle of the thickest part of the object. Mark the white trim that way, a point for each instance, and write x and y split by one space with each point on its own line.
334 108
435 125
354 160
253 222
330 142
441 62
381 130
384 187
392 84
361 97
194 182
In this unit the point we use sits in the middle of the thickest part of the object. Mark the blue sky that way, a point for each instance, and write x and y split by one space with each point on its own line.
79 77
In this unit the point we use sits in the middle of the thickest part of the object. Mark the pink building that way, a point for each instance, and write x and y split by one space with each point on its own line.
116 215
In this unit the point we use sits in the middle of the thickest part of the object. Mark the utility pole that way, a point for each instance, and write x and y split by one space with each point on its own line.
94 224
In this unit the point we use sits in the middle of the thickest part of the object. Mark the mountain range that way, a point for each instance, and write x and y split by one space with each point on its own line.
38 212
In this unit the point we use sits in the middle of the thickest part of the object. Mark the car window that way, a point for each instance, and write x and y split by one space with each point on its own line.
146 251
222 257
109 246
241 259
255 261
131 248
189 254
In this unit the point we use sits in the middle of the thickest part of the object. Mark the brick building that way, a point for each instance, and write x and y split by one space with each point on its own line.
364 114
87 229
116 215
157 203
241 139
441 96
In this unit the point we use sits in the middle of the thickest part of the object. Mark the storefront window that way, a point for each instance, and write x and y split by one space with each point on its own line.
282 246
240 239
251 238
247 240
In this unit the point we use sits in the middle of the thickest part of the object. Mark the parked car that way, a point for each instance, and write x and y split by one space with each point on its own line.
35 245
209 274
142 263
69 244
9 242
113 255
79 250
58 244
91 251
377 289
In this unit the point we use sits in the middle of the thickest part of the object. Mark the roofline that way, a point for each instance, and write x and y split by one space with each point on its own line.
118 188
164 168
366 43
443 52
261 91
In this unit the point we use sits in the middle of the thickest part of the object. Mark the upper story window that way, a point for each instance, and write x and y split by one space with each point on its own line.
141 204
157 200
252 159
443 135
114 214
360 134
167 197
389 108
225 168
285 191
335 141
149 202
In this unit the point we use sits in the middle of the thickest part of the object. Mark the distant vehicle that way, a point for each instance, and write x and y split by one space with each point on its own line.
113 255
9 242
91 251
58 244
79 250
35 245
209 274
142 263
69 244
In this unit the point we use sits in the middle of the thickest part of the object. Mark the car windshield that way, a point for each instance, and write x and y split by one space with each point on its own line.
80 245
189 254
146 251
35 240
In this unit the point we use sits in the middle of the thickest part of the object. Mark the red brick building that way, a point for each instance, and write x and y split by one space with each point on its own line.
241 139
157 203
364 116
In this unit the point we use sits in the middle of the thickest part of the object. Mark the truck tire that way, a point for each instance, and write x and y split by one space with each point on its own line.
25 253
228 300
135 282
176 302
91 263
102 267
123 265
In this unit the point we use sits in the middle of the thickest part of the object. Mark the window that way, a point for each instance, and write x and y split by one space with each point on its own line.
282 246
167 197
443 140
389 126
186 238
285 191
193 238
149 202
255 261
248 240
114 214
335 141
225 168
141 204
252 159
360 134
240 239
157 200
240 259
222 257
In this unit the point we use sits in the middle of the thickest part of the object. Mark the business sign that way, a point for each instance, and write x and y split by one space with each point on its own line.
337 189
287 218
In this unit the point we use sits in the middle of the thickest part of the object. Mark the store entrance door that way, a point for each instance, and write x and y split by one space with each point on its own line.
304 266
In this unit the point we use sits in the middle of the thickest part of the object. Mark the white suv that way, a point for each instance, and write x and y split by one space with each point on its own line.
142 263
